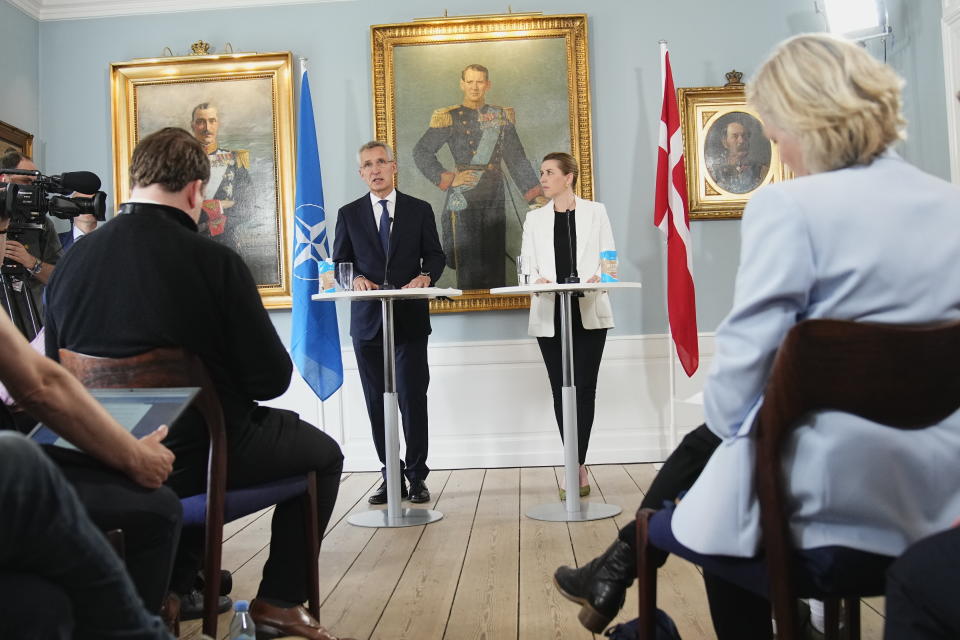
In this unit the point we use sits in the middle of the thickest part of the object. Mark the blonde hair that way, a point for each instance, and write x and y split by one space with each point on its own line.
841 104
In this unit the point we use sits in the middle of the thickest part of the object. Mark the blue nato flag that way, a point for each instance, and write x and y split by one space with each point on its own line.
315 339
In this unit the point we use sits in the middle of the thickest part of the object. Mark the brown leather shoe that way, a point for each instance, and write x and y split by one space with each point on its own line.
170 613
295 621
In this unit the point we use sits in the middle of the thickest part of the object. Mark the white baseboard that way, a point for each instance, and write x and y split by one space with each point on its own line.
490 405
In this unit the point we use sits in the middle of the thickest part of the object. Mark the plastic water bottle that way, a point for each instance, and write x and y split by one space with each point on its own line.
241 627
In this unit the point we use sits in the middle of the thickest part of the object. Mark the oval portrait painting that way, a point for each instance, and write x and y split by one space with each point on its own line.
736 152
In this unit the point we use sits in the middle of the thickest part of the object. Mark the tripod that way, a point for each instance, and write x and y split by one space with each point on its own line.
18 301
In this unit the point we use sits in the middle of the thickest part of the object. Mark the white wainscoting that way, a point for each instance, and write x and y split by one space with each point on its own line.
490 405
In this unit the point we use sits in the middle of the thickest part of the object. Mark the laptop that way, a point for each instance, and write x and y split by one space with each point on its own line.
139 411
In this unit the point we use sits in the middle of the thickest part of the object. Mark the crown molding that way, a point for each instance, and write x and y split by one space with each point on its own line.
44 10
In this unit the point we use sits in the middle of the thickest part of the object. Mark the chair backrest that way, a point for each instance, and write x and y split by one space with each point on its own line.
165 367
904 377
174 367
161 367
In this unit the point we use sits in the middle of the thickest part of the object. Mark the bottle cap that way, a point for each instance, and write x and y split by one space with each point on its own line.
241 605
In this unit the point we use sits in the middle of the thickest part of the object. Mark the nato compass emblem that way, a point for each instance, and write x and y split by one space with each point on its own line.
311 244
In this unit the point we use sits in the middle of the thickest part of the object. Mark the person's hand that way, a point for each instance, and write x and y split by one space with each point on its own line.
541 281
152 462
360 283
419 282
468 177
594 279
16 251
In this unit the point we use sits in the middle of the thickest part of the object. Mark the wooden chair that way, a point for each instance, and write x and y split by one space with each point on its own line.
900 376
173 367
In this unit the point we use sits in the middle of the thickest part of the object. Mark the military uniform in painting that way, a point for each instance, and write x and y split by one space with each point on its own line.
229 180
473 220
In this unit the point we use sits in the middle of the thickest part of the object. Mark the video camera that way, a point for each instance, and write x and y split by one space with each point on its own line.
26 205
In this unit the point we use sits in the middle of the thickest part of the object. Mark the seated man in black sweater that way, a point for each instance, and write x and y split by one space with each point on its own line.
148 279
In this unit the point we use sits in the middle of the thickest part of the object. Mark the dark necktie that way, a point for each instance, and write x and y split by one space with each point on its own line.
384 227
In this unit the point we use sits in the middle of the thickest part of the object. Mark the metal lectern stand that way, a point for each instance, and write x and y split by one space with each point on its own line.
573 509
394 515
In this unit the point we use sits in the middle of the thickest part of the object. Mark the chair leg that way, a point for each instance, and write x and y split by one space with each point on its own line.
851 617
831 619
646 580
313 545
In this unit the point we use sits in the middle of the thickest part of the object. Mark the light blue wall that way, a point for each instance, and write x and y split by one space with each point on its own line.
706 39
19 69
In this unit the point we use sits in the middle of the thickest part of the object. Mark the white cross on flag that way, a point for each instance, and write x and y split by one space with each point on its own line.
670 215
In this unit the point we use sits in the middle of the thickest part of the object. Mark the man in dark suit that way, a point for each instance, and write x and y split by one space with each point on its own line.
391 238
79 227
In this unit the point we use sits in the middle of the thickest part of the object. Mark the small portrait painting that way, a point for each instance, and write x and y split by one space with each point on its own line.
737 153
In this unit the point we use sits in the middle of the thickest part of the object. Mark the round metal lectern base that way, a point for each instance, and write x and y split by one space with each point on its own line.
378 518
557 512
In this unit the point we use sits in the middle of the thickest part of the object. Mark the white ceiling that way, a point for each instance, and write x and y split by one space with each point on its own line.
73 9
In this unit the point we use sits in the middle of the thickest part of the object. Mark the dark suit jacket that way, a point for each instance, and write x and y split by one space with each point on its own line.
66 239
414 249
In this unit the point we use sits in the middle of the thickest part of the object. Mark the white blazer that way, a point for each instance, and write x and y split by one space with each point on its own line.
593 236
876 243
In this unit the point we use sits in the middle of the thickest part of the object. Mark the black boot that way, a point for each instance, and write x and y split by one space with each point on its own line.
600 586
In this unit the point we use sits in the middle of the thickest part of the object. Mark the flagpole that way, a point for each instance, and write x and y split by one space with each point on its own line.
671 351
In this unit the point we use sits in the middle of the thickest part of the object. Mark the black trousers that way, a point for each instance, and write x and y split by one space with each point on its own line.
923 590
150 519
587 353
59 577
737 614
413 378
273 444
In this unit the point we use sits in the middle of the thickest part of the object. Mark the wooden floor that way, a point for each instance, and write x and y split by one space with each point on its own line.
482 572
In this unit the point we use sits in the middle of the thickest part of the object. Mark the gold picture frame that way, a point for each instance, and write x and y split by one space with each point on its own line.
722 174
16 139
244 108
417 69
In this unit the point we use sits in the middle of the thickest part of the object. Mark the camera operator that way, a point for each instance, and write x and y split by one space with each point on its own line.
38 259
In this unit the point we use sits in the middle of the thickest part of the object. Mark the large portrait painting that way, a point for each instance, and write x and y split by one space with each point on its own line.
728 157
239 106
14 139
471 106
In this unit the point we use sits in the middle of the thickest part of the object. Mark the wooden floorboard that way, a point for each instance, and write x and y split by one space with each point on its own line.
485 605
483 572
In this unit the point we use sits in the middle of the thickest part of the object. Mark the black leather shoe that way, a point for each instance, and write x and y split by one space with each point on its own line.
419 492
191 605
600 585
380 495
226 582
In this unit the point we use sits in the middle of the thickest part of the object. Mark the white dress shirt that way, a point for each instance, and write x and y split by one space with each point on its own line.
378 210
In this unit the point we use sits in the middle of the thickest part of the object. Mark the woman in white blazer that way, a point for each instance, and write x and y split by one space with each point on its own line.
564 239
859 235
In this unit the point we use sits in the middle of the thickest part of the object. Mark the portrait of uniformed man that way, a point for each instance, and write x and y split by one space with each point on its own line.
483 140
228 203
737 154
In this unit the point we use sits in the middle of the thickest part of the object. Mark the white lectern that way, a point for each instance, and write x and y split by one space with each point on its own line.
574 510
394 515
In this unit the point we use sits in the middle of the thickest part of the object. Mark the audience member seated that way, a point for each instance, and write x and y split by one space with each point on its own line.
169 286
59 578
858 235
119 480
